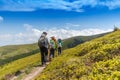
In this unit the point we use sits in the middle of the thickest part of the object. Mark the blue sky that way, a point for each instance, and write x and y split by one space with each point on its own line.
24 20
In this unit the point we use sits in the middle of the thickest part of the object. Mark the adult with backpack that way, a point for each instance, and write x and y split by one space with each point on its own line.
53 46
43 46
60 44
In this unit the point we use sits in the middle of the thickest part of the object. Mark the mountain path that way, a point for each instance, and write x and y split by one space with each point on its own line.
36 71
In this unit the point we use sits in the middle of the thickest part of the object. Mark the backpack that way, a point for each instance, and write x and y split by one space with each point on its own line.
41 41
52 44
59 44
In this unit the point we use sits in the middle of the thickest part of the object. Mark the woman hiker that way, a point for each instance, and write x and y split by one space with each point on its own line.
53 47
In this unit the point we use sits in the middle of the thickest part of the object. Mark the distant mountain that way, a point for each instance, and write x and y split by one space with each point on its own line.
74 41
98 59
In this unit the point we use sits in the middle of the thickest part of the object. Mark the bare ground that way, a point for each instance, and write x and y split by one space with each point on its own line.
36 71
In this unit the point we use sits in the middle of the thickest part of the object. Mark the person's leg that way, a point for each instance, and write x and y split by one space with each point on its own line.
58 50
42 55
46 54
53 51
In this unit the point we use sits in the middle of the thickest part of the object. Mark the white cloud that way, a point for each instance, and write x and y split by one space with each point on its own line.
1 18
112 4
67 33
32 34
77 5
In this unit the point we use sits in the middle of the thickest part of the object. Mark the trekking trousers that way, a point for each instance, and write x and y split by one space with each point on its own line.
52 52
44 54
59 50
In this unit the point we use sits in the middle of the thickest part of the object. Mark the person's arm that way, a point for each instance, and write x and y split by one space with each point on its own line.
62 43
48 42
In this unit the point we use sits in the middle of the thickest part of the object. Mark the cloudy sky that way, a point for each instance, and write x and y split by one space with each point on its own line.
22 21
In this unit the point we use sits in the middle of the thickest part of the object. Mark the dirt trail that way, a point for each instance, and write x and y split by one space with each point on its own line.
34 73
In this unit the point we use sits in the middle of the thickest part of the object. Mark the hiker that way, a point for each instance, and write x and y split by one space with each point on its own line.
59 41
53 47
43 46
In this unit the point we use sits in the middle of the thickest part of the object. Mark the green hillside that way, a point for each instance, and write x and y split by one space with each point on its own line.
74 41
22 65
11 57
98 59
14 52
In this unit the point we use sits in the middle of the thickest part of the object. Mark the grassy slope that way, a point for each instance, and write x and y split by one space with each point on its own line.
98 59
14 52
11 68
11 58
